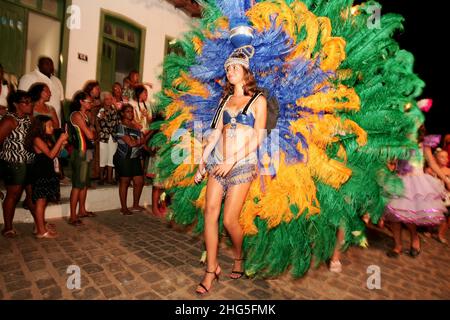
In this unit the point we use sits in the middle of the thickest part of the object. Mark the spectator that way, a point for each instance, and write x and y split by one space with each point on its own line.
83 134
92 89
40 95
45 182
142 112
442 160
130 84
447 146
108 119
128 91
15 160
127 159
118 98
134 80
45 73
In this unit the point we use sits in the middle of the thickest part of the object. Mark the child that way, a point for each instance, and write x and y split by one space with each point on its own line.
44 179
420 205
442 160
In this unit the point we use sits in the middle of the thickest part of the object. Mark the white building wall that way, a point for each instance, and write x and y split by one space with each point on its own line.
158 17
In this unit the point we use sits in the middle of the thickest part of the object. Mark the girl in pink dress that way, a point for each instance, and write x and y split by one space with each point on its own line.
421 203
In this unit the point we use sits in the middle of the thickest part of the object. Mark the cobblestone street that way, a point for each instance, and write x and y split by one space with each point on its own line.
142 257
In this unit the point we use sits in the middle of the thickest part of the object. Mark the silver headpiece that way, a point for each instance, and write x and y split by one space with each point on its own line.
240 56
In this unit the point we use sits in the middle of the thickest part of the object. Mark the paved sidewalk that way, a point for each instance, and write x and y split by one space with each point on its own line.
142 257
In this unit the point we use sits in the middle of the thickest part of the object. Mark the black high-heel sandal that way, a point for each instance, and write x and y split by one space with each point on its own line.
216 277
239 273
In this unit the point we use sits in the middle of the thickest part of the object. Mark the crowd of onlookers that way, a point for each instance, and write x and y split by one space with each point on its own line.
103 136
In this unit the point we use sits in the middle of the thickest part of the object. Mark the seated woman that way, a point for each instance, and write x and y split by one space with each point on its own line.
127 159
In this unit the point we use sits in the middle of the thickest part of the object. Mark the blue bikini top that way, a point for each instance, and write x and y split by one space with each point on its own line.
242 117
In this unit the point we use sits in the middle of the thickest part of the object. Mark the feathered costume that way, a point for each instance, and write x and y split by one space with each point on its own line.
346 95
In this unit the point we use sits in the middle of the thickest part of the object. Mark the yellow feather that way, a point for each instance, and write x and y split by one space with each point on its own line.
332 100
333 53
325 129
201 201
169 128
198 45
293 184
260 15
329 171
342 153
173 108
178 178
195 87
171 94
222 23
325 29
344 74
361 134
306 19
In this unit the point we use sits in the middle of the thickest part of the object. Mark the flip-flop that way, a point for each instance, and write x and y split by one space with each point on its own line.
48 225
127 213
88 214
76 223
47 235
10 234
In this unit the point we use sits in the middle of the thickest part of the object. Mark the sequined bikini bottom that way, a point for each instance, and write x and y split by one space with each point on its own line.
243 171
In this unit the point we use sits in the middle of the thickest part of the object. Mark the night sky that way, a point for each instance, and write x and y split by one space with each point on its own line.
425 22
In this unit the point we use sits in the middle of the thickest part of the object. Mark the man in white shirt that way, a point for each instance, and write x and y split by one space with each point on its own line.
44 73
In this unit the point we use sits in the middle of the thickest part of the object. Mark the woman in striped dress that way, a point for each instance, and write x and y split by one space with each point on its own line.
15 160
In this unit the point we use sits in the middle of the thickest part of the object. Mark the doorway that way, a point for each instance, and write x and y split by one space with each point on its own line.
29 29
121 50
13 28
41 43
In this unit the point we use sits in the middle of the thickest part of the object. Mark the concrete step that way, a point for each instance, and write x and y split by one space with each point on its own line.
99 199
